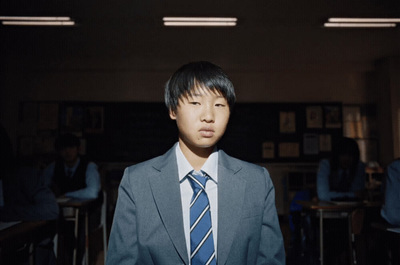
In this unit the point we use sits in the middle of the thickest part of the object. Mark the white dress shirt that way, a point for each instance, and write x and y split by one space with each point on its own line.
211 168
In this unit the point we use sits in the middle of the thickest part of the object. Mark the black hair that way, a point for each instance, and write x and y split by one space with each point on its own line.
67 140
345 146
203 74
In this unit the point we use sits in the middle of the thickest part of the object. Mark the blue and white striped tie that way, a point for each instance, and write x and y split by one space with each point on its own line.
201 235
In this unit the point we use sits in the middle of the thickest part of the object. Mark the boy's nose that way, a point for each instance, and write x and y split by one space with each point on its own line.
208 114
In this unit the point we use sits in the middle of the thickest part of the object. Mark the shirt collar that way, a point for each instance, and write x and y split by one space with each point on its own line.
210 166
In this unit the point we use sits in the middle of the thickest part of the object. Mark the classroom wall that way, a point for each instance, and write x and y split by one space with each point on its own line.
308 86
387 82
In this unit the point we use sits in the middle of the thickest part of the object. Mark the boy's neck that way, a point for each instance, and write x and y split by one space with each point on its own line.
196 156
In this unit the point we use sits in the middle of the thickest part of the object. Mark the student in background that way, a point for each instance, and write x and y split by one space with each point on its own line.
391 187
24 197
72 175
154 222
383 246
342 176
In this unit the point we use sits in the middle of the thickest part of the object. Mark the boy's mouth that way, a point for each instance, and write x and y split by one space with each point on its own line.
206 132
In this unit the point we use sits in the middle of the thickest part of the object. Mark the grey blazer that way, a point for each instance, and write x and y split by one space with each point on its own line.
148 223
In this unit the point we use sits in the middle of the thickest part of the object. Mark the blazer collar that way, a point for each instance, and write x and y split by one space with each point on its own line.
231 191
165 184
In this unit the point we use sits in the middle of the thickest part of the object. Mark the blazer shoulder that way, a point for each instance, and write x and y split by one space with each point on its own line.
143 166
241 166
152 165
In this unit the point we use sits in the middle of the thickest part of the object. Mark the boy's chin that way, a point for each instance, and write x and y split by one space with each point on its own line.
209 145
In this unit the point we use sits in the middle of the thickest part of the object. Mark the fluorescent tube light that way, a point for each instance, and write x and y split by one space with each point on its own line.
35 18
38 23
365 20
194 23
200 21
359 25
219 19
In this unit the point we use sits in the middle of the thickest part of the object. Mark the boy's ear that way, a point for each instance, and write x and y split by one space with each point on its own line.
172 114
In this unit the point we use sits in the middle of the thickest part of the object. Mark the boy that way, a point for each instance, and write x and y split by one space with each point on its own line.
72 175
195 204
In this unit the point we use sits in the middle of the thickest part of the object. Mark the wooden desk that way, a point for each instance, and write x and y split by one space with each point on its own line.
21 233
328 210
80 208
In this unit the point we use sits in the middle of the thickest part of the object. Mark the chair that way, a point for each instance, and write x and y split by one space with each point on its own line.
357 223
103 224
99 234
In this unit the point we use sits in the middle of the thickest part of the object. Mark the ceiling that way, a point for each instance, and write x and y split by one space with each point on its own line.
126 35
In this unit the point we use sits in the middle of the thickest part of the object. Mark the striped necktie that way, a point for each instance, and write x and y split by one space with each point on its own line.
201 236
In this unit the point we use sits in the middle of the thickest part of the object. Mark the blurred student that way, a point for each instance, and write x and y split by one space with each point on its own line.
72 175
24 197
343 175
383 246
391 207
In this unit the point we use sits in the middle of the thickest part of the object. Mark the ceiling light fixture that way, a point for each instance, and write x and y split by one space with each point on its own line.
200 21
337 22
36 21
365 20
359 25
34 18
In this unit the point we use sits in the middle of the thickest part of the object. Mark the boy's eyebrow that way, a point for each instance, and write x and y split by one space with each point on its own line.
202 92
193 95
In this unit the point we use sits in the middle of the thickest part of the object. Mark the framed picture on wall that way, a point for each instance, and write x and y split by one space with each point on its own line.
310 144
325 143
268 150
72 119
314 117
94 119
289 149
332 117
287 122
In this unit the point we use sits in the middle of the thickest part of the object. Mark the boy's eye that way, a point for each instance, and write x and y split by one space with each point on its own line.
194 103
220 105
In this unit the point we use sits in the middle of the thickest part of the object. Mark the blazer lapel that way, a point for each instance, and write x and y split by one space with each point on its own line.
231 190
166 192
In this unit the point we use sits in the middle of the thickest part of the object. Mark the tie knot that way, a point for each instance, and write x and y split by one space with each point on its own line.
197 180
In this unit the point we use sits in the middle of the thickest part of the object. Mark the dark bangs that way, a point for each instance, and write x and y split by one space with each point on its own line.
202 74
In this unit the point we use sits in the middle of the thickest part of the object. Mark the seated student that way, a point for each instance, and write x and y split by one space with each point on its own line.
24 197
195 204
383 247
72 175
342 176
391 208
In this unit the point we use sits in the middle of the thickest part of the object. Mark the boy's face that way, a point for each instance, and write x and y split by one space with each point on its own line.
201 118
70 154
